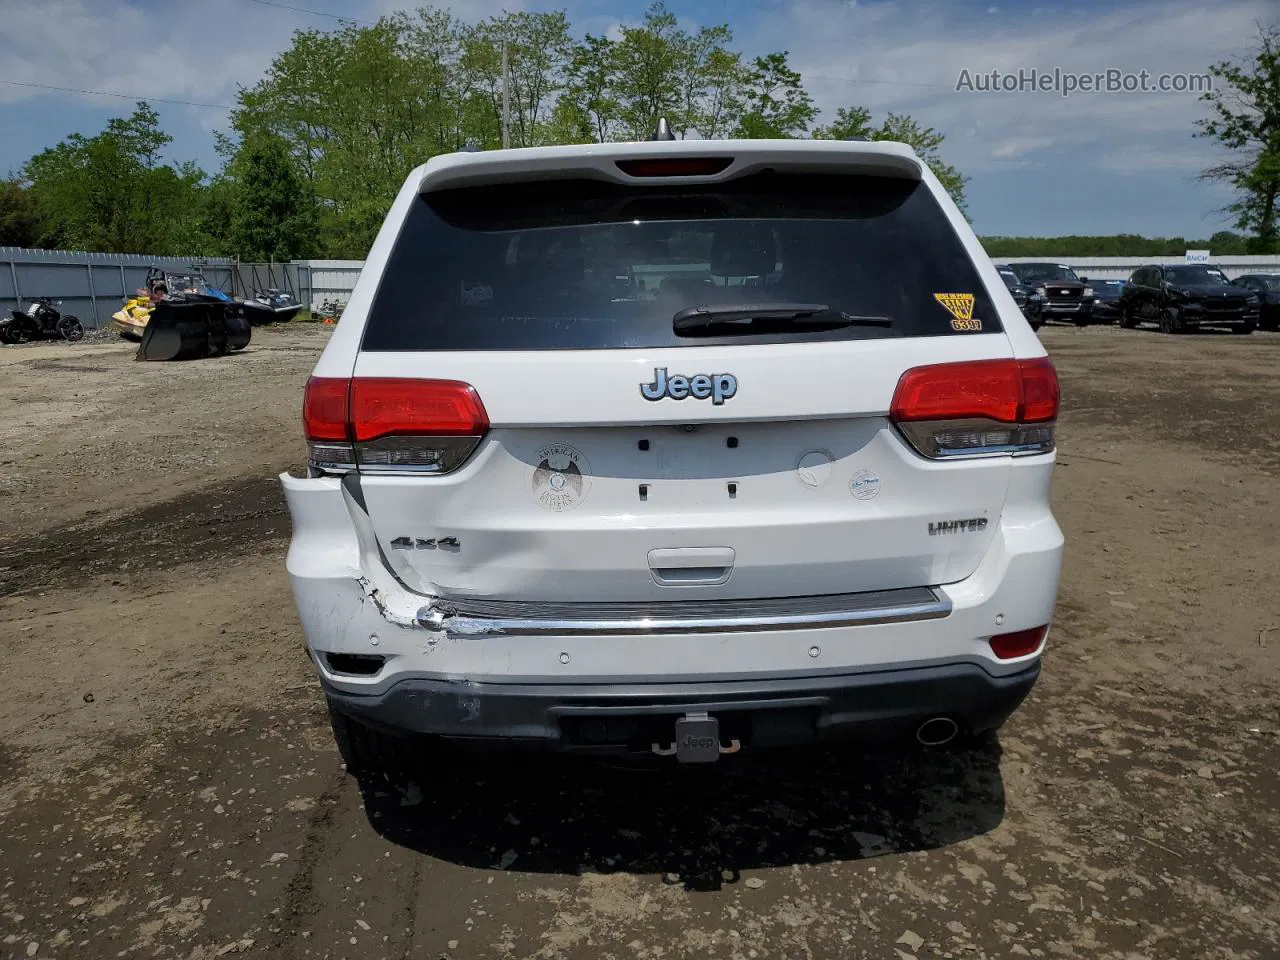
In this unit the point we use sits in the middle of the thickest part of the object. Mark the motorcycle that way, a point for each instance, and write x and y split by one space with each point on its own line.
40 321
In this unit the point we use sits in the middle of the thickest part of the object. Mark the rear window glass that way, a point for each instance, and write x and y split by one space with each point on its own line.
587 265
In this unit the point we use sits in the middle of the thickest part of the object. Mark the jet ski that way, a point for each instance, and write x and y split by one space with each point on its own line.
270 306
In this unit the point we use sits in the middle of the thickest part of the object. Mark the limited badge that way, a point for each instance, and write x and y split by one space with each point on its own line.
561 478
960 306
864 485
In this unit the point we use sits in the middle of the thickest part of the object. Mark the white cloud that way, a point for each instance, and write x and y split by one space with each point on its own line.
907 56
193 50
128 50
903 55
1150 157
1015 147
468 10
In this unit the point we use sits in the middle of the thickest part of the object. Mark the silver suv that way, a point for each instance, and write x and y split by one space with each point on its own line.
677 448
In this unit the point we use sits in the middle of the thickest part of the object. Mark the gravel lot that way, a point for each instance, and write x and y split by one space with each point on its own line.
169 788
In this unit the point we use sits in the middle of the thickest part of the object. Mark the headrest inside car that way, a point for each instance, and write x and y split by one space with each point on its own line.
743 250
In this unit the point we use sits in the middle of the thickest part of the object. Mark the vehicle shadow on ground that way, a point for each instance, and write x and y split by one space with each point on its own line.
702 824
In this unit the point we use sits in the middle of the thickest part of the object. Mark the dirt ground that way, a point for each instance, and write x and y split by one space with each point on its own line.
169 786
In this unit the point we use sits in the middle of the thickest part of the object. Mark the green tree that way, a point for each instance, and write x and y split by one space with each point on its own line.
776 105
852 122
724 81
925 141
657 70
1245 119
539 52
1227 243
112 191
590 92
20 224
271 215
711 80
359 107
646 63
569 123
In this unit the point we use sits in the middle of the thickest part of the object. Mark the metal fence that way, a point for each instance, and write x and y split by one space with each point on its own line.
92 286
1120 268
331 280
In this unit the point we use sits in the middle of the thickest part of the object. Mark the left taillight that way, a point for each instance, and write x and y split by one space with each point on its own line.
391 424
978 408
326 405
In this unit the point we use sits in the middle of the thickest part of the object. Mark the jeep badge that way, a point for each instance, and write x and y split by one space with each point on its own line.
718 386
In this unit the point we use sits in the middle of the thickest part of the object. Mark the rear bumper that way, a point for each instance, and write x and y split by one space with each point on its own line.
874 707
1067 309
507 669
1194 316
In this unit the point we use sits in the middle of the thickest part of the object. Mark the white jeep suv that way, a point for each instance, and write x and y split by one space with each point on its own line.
675 448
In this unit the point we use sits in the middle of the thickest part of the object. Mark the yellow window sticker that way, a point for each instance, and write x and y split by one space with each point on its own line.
960 306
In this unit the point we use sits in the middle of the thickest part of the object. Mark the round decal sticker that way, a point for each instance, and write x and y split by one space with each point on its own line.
814 468
561 478
864 485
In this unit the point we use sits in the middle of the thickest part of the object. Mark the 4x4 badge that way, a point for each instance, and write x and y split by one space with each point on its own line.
719 387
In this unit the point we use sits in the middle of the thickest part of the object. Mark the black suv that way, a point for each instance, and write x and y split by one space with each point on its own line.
1187 296
1065 295
1029 302
1267 287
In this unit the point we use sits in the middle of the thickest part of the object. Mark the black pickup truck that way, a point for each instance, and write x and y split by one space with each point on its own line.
1065 295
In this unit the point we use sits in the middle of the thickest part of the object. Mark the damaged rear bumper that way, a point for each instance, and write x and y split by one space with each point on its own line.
611 676
876 707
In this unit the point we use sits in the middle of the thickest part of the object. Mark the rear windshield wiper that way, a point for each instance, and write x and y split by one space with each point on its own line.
694 320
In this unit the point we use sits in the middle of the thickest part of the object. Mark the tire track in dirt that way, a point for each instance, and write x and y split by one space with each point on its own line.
230 519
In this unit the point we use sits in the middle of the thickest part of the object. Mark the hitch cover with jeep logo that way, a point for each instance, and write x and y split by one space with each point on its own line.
698 739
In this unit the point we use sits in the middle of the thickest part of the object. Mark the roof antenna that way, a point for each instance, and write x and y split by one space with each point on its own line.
663 132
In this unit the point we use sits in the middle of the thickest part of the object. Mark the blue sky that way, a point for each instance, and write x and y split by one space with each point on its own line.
1039 163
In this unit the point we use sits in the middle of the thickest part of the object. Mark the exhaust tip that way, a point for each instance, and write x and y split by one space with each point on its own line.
937 731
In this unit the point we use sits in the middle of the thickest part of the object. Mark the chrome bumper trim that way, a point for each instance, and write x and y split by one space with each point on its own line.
476 618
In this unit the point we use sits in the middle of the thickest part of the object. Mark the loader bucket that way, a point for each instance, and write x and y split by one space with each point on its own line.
189 329
239 329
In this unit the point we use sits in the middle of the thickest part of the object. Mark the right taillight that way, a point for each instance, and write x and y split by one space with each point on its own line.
391 424
978 408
